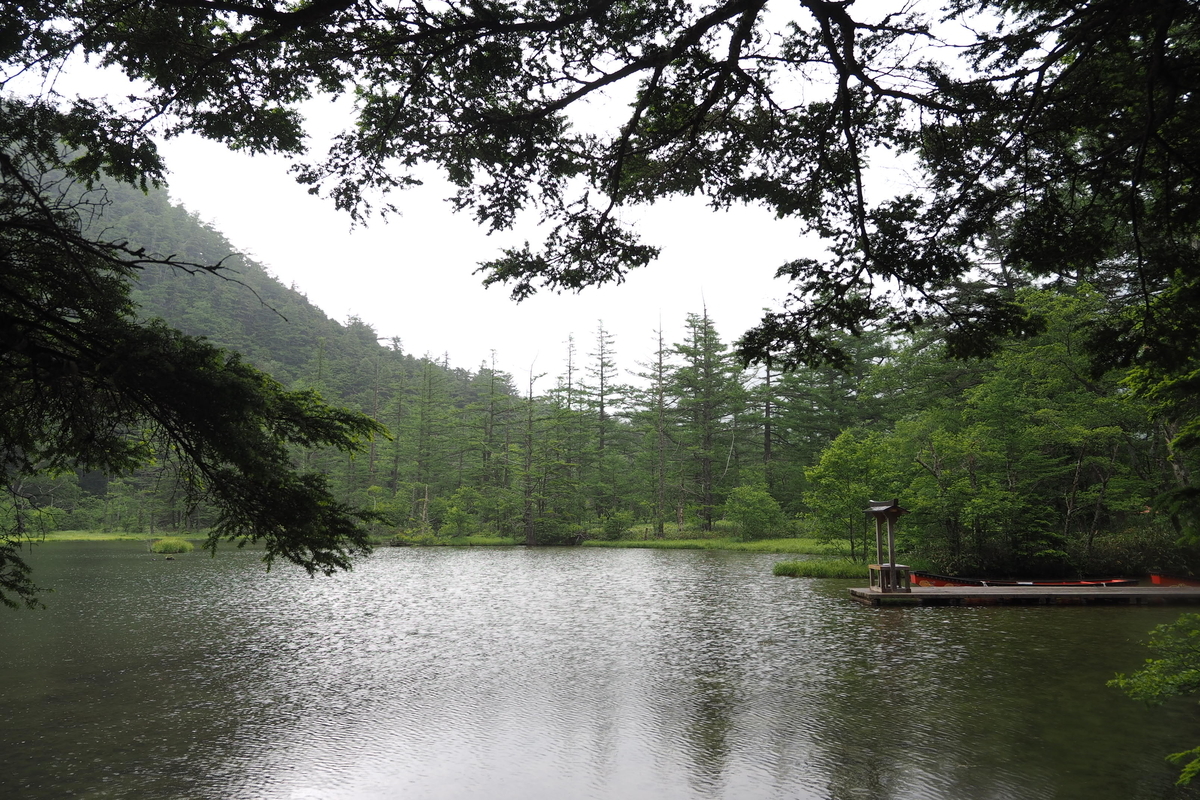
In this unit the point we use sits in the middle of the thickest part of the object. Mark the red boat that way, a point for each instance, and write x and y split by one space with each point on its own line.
929 579
1159 579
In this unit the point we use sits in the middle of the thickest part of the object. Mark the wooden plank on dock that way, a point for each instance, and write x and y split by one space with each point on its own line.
1031 595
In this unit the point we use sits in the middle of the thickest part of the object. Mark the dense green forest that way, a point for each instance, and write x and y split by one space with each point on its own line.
1022 462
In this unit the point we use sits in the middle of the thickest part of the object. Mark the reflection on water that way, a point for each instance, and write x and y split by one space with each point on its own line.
573 673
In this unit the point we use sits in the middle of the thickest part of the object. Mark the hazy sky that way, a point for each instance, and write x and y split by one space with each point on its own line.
411 275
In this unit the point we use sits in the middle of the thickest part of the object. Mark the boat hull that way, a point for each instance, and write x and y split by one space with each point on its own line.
930 579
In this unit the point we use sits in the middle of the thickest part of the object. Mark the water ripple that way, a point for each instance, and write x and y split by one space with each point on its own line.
508 673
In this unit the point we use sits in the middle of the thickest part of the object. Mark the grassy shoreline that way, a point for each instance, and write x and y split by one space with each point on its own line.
829 560
790 545
115 536
780 545
821 568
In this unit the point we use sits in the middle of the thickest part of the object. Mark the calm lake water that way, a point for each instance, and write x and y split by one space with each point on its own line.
557 673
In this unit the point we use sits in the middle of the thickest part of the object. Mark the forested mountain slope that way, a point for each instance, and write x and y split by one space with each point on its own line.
244 308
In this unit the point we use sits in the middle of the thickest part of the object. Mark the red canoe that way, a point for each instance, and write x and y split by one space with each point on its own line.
930 579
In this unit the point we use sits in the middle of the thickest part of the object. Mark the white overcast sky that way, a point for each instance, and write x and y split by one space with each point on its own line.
411 275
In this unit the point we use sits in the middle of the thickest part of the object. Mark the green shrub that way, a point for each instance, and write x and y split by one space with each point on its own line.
616 525
172 544
457 518
822 568
1151 545
755 512
555 532
414 538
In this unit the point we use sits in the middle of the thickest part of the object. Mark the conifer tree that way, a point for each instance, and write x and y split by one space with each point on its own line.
652 421
707 396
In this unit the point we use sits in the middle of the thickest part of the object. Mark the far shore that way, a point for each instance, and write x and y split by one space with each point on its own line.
779 545
824 559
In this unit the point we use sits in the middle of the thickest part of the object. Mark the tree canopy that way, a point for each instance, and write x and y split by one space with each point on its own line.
1174 671
1049 141
86 385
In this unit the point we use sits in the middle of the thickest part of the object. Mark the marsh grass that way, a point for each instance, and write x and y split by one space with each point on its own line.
806 546
430 540
171 544
721 528
822 568
479 541
90 536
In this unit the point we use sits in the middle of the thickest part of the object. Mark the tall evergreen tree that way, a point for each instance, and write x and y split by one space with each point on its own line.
707 396
652 421
605 396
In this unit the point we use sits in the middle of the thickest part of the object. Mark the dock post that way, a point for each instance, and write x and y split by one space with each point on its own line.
878 540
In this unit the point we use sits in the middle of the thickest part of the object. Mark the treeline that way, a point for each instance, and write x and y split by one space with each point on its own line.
1025 462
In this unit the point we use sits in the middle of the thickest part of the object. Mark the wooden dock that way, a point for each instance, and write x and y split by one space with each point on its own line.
1031 595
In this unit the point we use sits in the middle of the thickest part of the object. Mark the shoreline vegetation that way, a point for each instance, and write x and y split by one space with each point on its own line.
782 544
827 560
821 568
818 558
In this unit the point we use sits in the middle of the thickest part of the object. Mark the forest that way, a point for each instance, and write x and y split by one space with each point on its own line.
1024 462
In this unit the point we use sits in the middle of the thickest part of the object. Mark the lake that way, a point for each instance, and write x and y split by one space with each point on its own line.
557 673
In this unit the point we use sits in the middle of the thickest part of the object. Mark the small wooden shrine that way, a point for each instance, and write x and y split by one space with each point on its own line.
887 576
